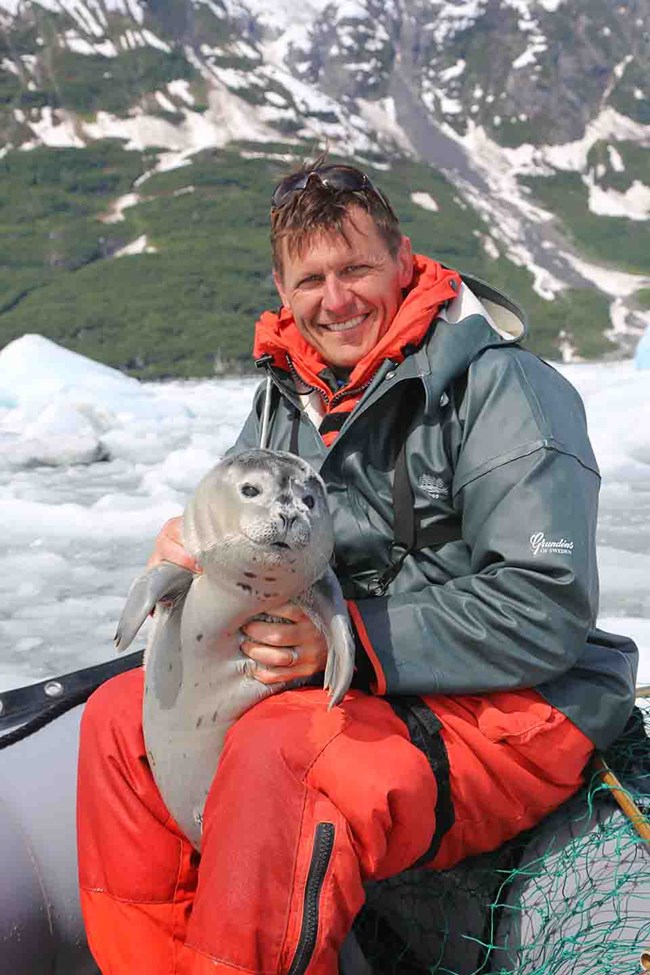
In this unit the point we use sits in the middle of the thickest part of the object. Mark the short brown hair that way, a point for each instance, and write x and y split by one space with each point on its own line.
320 208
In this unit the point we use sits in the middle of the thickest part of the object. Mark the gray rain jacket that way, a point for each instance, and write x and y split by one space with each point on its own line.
497 439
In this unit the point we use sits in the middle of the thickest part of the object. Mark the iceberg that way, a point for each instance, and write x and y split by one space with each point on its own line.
58 408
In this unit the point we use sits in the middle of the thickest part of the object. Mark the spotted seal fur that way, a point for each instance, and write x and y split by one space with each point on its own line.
259 527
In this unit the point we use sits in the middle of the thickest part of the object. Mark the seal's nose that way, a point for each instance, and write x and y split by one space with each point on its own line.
286 520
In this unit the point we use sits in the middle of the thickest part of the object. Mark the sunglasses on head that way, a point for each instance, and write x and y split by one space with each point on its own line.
334 177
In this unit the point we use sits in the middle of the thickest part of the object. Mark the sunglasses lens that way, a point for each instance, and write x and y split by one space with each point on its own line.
340 178
287 187
334 177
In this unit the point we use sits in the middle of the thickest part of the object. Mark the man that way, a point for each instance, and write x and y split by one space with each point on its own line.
463 490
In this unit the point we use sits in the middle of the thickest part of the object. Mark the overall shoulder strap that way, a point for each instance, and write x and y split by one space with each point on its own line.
408 534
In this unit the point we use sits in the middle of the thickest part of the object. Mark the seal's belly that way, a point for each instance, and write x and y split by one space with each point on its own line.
184 731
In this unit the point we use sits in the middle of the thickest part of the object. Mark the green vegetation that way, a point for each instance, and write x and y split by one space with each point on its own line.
87 83
633 156
613 240
171 312
629 97
49 206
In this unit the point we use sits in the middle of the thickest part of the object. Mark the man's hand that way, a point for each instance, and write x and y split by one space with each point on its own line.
169 547
284 651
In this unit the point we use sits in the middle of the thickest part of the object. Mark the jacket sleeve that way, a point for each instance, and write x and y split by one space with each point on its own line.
520 614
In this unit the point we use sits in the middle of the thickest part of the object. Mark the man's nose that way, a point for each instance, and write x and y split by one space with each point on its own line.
336 296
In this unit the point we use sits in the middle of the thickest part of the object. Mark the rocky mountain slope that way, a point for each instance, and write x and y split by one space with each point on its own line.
513 135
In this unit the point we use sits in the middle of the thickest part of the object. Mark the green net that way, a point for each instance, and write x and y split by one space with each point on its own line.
570 897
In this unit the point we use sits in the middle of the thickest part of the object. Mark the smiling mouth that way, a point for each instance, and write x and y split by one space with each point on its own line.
346 326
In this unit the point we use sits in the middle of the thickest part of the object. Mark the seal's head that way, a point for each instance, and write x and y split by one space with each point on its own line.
259 521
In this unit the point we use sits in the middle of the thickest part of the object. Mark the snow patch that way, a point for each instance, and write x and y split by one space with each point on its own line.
619 284
506 229
568 351
615 160
634 203
228 118
138 246
6 64
453 18
116 211
452 72
276 99
56 129
79 45
491 249
164 102
181 89
232 78
426 201
382 117
151 40
625 320
609 124
529 56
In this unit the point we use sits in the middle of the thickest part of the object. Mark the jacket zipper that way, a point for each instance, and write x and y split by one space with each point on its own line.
339 394
320 858
298 380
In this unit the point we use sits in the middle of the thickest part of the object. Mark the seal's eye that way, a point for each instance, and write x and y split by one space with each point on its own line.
249 490
308 500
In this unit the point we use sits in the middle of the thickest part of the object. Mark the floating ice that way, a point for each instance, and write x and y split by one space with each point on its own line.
75 533
642 355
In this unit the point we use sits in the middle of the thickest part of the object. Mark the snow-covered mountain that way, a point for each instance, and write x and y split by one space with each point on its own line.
536 110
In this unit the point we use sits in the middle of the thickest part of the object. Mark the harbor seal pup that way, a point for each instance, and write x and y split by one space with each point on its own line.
260 528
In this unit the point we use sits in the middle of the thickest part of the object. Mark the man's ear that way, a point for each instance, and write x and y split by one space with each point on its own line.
405 262
277 278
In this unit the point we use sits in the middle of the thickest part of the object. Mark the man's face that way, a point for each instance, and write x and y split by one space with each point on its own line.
344 294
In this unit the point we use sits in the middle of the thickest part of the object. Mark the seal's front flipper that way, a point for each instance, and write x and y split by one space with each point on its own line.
326 606
164 582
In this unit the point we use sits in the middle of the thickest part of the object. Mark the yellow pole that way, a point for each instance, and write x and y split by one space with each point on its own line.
640 822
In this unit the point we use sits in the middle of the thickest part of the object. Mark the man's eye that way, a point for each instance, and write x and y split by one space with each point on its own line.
249 490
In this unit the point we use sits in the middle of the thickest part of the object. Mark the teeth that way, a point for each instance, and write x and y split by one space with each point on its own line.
344 326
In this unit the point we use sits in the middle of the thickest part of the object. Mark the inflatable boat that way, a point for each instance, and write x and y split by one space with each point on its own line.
571 896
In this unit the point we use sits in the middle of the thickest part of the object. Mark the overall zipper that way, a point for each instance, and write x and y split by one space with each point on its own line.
320 858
